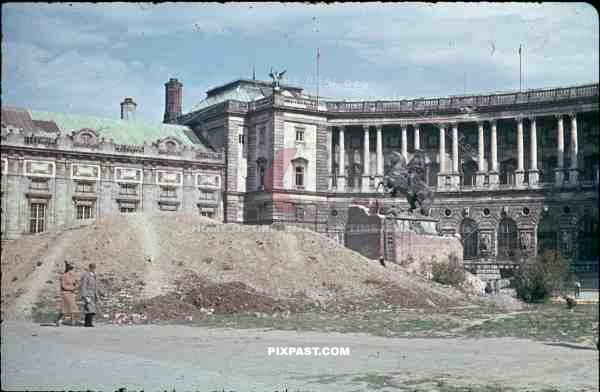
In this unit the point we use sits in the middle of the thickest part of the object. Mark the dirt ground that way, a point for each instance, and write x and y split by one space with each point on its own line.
198 261
179 357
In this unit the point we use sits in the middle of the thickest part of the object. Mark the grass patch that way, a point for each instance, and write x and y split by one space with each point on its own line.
543 322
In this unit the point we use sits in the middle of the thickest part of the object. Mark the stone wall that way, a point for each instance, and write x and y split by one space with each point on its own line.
425 248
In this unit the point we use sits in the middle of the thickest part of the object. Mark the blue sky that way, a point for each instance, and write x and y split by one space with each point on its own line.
86 58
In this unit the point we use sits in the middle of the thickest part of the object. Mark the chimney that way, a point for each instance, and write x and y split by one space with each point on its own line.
173 91
128 109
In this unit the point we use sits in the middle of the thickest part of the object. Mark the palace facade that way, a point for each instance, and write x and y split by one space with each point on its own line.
513 173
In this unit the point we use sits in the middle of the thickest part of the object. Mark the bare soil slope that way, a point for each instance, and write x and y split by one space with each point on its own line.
173 257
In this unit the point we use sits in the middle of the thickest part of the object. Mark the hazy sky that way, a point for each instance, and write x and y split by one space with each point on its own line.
86 58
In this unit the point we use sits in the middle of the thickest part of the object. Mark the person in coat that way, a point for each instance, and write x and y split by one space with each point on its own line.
68 305
89 294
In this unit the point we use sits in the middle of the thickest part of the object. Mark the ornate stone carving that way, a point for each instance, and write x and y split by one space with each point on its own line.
525 240
485 243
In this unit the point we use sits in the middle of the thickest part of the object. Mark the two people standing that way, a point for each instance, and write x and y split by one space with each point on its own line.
88 292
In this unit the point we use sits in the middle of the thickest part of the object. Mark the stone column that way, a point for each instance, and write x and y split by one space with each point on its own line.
455 148
442 153
442 158
404 143
455 158
493 175
560 151
379 147
481 166
573 170
341 180
520 172
417 137
329 148
366 161
533 168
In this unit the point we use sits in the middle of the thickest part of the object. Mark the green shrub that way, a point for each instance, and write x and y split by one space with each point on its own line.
450 272
537 277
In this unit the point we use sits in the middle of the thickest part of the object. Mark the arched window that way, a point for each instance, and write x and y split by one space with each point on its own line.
587 241
547 234
170 146
469 234
507 239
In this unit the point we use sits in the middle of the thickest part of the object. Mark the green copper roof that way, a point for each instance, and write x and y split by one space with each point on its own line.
121 131
241 92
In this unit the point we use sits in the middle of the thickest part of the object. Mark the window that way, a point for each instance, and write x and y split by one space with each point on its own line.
207 212
84 212
261 136
167 191
299 177
242 138
507 239
208 195
300 134
129 189
127 210
37 217
39 184
86 138
470 238
171 146
84 187
587 241
261 175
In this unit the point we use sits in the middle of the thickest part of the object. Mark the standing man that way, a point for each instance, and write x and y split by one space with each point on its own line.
577 289
89 294
68 305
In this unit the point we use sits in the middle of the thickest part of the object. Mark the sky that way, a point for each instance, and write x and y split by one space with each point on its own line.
85 58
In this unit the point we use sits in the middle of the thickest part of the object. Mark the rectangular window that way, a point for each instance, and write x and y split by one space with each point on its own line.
242 138
129 189
261 136
208 195
299 177
300 134
84 187
84 212
207 214
261 174
127 210
37 217
168 191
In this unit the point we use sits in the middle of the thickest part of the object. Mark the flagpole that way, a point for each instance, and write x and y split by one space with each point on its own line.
318 57
520 69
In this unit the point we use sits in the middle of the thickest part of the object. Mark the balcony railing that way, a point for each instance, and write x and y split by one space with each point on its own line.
44 140
423 104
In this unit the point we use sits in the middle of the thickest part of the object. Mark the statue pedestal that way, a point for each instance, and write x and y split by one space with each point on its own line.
411 240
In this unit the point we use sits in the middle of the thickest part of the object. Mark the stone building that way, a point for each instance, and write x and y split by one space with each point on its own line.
59 168
513 173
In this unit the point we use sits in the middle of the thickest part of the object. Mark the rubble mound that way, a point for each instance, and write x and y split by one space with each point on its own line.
144 264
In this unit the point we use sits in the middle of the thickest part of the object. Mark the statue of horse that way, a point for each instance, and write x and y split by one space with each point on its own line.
408 179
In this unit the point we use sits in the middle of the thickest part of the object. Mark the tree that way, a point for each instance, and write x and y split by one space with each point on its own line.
537 277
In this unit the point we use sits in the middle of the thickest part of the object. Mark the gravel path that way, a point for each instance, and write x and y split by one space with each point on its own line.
193 358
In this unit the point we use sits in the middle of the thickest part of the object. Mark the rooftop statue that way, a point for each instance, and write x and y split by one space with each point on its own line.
276 76
408 179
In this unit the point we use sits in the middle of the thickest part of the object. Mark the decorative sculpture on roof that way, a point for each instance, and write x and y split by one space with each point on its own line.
408 179
276 76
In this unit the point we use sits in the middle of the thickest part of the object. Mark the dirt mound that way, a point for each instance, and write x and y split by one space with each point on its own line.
140 257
